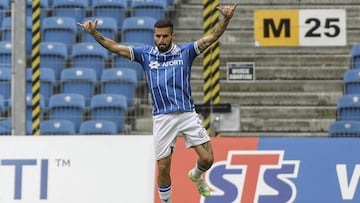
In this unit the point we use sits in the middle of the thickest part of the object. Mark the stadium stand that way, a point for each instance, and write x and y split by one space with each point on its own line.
348 128
4 9
352 81
65 106
348 107
155 9
44 8
6 31
57 127
119 81
89 55
54 55
70 8
5 83
3 107
5 54
106 25
5 127
29 107
138 29
59 29
79 80
112 107
355 56
47 82
98 127
110 8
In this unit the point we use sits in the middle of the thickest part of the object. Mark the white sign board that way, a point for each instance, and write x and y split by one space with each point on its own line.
239 71
76 169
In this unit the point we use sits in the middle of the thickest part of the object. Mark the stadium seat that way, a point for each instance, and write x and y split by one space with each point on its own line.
79 81
70 8
138 29
5 54
59 29
106 25
29 106
5 127
90 55
110 8
53 55
4 9
3 107
47 82
119 81
153 8
348 107
352 81
344 129
44 8
66 106
6 31
57 127
120 61
5 83
111 107
98 127
355 56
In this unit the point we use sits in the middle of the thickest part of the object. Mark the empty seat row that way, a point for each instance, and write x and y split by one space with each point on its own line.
65 127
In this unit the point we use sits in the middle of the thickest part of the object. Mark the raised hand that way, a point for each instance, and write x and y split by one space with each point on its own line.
89 26
227 11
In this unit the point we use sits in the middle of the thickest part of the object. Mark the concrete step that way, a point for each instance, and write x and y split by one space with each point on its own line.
275 98
275 86
283 73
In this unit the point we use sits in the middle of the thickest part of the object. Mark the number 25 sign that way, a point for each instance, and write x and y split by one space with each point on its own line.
304 27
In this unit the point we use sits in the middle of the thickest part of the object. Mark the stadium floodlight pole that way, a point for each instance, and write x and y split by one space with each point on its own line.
18 60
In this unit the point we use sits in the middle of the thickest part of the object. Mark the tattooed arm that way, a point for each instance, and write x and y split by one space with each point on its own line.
109 44
206 41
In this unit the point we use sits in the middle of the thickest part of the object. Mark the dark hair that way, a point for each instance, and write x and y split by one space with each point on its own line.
163 23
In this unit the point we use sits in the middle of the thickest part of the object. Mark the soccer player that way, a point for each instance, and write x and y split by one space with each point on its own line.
167 67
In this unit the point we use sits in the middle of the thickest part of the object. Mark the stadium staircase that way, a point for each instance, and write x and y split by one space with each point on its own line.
296 88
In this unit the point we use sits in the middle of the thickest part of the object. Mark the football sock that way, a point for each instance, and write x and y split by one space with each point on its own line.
165 193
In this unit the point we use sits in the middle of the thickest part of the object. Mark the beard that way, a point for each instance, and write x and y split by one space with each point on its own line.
163 47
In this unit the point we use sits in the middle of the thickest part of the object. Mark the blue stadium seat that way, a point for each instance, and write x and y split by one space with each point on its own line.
5 54
5 127
344 129
112 107
6 31
29 106
355 56
5 83
59 29
4 9
3 107
70 8
352 81
66 106
44 8
47 82
90 55
138 29
120 61
98 127
348 107
152 8
53 55
106 25
119 81
57 127
110 8
79 81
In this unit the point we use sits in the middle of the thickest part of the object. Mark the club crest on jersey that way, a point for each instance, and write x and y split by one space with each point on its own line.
154 65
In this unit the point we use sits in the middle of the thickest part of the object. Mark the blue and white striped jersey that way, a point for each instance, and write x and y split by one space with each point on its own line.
168 76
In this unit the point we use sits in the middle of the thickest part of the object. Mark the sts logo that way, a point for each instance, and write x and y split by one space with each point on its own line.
252 177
